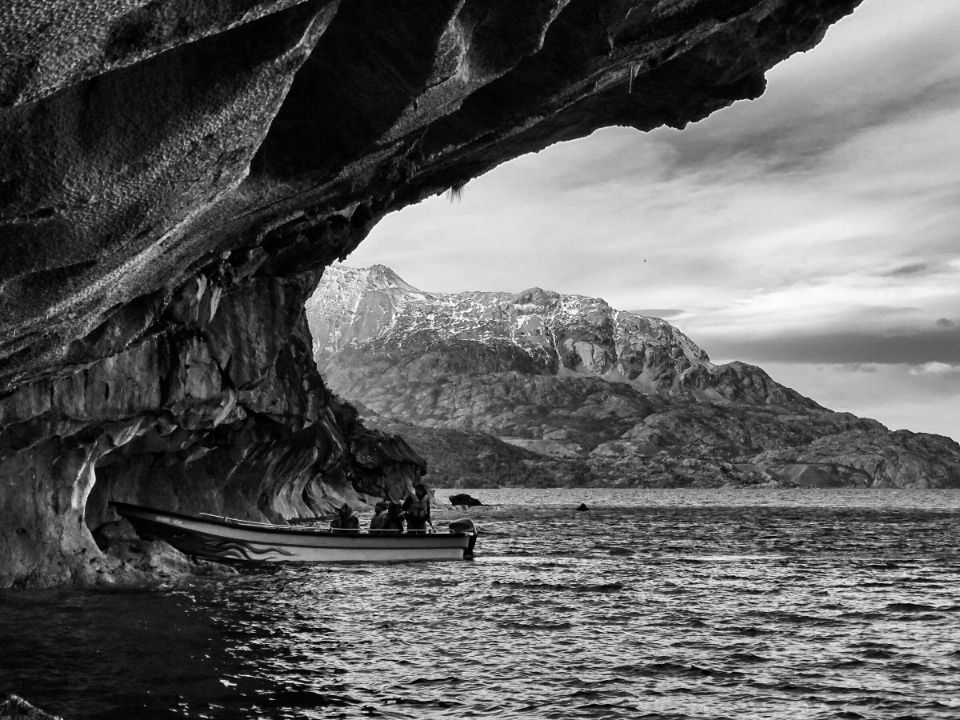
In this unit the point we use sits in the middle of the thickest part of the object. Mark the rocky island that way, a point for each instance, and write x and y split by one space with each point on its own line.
540 388
175 176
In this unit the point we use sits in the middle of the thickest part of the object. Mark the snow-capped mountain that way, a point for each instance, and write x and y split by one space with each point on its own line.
540 387
373 310
379 305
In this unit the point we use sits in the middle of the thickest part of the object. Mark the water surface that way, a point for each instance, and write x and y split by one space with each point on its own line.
652 604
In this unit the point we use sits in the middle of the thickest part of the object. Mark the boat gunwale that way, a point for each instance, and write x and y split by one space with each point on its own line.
272 529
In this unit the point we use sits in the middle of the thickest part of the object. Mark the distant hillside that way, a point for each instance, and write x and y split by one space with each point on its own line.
541 388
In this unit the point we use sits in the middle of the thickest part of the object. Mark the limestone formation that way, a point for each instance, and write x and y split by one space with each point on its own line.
175 175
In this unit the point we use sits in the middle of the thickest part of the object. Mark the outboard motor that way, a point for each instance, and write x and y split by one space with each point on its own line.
465 525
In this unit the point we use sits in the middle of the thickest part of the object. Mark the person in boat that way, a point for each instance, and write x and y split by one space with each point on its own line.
417 510
345 519
394 519
379 519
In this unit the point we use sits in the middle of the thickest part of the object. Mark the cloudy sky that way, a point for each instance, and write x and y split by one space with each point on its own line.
814 232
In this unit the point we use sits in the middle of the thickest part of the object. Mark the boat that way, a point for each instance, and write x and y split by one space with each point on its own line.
229 539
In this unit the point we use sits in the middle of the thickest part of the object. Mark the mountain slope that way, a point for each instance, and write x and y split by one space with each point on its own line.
546 387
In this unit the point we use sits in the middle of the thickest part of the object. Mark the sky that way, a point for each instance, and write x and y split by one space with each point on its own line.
814 232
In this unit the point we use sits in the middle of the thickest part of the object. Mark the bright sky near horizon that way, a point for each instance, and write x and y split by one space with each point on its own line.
814 232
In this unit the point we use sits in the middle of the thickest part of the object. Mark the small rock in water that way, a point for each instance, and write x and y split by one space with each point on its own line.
621 551
583 507
464 500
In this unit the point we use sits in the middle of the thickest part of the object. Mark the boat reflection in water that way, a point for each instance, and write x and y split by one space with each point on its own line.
221 538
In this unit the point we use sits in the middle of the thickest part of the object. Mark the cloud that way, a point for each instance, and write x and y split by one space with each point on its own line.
935 368
875 203
788 139
663 313
919 347
920 268
895 394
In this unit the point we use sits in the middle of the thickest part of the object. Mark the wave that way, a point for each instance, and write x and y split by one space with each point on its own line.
747 657
443 680
533 626
793 618
672 669
610 587
919 617
877 654
909 607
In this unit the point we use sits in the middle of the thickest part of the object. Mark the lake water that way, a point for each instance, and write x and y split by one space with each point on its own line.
652 604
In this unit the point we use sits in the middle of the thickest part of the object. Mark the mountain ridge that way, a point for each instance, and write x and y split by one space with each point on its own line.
601 396
559 333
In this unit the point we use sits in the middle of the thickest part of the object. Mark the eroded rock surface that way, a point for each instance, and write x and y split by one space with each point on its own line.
14 707
174 176
545 389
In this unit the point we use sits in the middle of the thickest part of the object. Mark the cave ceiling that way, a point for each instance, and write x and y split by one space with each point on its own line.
144 143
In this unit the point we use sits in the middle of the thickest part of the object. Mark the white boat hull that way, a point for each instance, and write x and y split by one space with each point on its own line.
230 539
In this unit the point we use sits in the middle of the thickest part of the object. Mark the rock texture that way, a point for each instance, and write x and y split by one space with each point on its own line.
174 175
540 388
14 707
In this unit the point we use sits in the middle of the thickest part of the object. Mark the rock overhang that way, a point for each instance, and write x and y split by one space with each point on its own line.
169 136
174 177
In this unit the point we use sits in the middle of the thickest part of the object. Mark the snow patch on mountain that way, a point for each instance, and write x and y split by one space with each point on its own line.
583 335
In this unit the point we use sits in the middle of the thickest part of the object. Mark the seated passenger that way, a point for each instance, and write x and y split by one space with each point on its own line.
394 519
379 519
418 510
345 519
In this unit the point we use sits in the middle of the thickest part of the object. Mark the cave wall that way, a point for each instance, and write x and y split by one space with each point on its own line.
175 175
221 409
